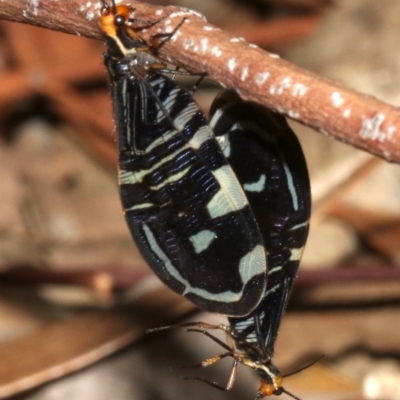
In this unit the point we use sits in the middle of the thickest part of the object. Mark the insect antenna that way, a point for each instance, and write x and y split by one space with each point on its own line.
290 394
305 367
106 5
166 37
114 6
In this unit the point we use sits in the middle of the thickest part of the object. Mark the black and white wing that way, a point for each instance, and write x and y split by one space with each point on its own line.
269 163
183 203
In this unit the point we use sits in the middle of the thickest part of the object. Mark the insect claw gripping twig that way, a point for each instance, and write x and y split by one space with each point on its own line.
258 74
146 24
166 36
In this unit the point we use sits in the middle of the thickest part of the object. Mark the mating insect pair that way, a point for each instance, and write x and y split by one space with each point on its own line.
219 210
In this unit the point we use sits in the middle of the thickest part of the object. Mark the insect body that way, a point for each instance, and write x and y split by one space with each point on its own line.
269 163
209 213
185 207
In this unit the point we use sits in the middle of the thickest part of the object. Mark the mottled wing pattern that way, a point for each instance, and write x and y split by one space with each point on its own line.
268 161
183 204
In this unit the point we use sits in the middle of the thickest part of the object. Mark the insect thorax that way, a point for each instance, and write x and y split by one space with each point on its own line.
139 63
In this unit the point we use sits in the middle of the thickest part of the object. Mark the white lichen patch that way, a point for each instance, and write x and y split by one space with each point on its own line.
337 99
272 89
390 130
371 128
196 13
132 13
293 114
216 51
299 89
231 64
234 40
273 55
31 8
187 43
175 36
204 44
387 155
285 84
159 11
208 28
347 113
89 15
185 13
253 46
168 29
244 73
261 77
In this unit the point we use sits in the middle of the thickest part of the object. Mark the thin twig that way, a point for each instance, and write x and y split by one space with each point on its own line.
354 118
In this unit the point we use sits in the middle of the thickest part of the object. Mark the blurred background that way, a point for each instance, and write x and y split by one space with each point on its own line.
75 295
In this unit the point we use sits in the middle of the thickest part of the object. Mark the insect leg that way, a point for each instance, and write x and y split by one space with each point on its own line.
198 324
212 337
231 379
196 85
145 24
208 361
232 375
202 327
166 37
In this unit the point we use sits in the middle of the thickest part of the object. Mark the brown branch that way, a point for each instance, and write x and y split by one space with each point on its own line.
351 117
